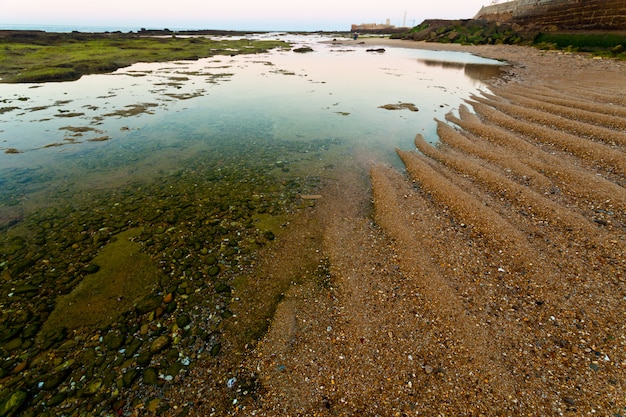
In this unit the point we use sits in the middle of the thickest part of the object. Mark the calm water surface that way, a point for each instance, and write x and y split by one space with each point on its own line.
334 92
158 182
282 115
268 118
102 132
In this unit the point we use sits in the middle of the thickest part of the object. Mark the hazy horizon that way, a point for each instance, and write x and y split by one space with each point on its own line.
271 15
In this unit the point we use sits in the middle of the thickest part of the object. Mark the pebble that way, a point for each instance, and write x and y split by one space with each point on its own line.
10 405
183 320
150 376
160 343
20 367
129 377
113 341
93 386
153 405
96 368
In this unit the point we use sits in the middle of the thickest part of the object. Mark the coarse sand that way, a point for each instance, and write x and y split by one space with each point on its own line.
488 278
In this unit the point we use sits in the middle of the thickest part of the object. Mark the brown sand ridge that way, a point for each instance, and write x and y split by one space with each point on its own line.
488 279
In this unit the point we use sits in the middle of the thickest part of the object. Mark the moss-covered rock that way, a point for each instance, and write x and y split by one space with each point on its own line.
468 31
12 403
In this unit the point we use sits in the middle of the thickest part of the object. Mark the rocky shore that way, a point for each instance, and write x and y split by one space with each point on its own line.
109 300
486 279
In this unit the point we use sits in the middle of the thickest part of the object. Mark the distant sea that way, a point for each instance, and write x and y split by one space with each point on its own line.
78 28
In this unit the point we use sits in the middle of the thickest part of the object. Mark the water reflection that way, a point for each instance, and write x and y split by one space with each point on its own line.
475 71
106 130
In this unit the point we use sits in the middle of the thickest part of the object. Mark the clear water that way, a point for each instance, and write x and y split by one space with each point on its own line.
167 178
105 131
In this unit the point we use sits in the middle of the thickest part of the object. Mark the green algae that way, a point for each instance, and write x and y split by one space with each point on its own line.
133 110
63 57
124 276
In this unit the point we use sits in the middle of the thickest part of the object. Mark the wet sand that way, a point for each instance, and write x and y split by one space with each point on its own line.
486 279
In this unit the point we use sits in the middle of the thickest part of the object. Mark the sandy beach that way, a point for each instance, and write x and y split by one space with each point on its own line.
486 279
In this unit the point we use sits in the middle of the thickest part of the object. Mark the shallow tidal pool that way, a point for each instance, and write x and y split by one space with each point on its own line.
184 170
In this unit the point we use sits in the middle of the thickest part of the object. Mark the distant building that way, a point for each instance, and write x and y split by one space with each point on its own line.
378 27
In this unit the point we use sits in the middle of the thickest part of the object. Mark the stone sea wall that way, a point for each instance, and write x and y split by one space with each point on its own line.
562 14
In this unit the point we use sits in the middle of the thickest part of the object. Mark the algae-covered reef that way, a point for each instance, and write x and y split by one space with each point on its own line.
33 56
468 31
487 32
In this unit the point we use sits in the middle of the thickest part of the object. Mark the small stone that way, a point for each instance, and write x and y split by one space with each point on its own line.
68 345
148 304
144 358
171 307
56 399
222 288
13 344
54 380
168 298
150 376
160 343
183 320
133 347
91 269
174 369
215 349
153 405
113 341
20 367
129 377
93 387
12 403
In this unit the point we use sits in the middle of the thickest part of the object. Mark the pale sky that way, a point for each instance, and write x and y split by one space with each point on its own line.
280 15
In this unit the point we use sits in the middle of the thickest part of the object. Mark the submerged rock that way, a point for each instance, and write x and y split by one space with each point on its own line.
12 403
129 377
148 304
160 343
150 376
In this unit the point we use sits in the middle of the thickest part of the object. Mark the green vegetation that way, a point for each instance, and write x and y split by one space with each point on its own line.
603 44
480 32
469 32
40 57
